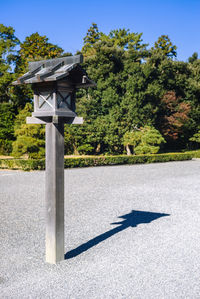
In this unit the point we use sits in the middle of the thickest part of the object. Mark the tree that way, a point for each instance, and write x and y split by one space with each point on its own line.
192 93
131 84
30 139
131 139
7 116
146 140
8 43
193 58
135 85
174 117
164 46
196 137
35 47
69 141
92 36
106 63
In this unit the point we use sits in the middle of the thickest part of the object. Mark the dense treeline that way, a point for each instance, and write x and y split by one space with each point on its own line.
145 99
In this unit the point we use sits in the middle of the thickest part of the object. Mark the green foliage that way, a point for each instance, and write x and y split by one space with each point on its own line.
137 86
105 120
132 138
193 58
30 139
8 42
122 159
68 141
36 47
145 140
164 46
7 116
23 164
146 149
39 164
132 84
92 36
85 149
196 137
195 154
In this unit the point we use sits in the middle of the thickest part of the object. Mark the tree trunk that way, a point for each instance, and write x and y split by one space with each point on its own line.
76 153
98 149
128 150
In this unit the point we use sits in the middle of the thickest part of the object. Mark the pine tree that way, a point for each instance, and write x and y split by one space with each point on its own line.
146 140
30 139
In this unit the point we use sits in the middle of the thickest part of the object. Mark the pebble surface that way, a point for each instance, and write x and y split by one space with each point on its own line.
130 232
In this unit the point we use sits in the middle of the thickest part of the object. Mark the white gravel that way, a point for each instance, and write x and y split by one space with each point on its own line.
152 253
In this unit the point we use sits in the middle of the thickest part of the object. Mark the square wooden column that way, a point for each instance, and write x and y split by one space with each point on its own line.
54 192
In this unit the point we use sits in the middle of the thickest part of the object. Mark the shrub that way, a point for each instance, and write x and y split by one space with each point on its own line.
5 146
30 139
24 164
196 137
146 149
85 149
72 162
145 140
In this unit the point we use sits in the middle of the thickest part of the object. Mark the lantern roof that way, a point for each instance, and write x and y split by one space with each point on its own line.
57 69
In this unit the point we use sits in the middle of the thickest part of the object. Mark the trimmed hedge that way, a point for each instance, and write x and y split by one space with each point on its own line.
24 164
122 160
39 164
195 154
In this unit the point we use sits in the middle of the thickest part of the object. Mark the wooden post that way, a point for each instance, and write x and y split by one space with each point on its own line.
60 74
54 192
54 184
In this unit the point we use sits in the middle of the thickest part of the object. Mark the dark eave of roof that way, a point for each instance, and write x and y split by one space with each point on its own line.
56 69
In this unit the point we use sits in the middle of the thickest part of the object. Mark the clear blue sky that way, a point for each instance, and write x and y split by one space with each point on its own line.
65 23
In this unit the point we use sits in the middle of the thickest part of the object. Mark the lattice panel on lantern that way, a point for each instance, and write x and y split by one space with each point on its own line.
63 100
45 101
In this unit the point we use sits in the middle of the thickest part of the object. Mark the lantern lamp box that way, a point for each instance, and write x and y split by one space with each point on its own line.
54 83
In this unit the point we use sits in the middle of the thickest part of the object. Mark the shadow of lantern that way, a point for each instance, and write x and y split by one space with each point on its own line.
129 220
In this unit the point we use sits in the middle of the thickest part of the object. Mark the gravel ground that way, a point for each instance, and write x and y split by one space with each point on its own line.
130 232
